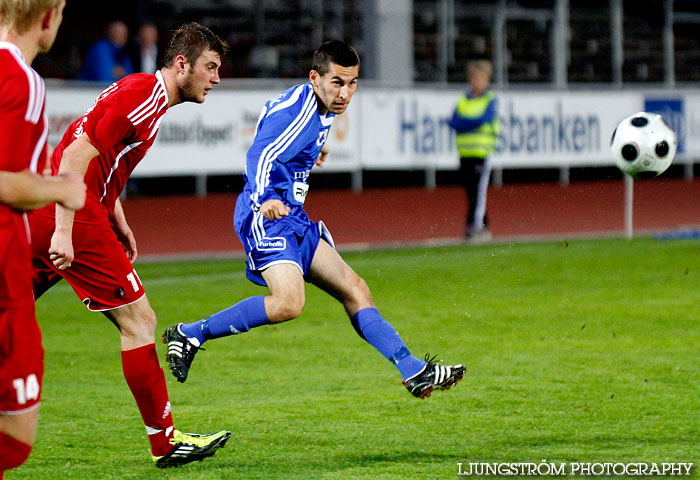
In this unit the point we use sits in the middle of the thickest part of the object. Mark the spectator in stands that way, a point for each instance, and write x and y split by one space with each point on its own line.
143 49
107 60
476 123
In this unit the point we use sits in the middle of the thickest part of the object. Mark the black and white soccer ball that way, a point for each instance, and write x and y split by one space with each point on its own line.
643 145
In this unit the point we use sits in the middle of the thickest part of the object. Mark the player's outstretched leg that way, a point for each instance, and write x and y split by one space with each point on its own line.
434 377
185 340
190 447
420 377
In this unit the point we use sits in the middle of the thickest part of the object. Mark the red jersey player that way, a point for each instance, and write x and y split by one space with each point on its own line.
26 28
93 249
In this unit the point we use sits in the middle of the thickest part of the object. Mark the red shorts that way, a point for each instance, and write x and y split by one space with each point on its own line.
21 359
101 274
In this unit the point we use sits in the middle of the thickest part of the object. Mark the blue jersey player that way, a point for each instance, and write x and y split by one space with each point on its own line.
284 247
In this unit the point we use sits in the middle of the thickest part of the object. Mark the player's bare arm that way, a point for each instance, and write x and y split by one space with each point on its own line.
274 209
123 231
76 159
27 191
325 149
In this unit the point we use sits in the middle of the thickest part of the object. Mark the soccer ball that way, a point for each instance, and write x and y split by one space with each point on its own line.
643 146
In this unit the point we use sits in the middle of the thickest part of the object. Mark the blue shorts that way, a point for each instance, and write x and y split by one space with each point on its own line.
283 245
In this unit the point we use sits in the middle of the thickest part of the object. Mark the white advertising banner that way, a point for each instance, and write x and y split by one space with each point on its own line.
209 138
205 139
409 129
387 129
559 129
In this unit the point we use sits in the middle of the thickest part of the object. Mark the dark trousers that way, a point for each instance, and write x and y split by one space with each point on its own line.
474 176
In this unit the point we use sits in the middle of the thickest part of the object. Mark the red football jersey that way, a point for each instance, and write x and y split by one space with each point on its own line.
22 145
122 125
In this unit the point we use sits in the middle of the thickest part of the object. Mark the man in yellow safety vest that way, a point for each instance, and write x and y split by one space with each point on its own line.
475 122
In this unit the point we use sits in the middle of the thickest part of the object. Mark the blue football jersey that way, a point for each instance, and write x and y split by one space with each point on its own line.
288 140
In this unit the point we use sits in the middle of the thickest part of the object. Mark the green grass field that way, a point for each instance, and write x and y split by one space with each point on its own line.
580 351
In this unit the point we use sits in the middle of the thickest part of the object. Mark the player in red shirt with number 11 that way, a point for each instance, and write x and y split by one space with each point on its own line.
93 249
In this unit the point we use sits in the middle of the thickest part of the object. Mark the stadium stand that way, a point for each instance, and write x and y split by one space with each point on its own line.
275 38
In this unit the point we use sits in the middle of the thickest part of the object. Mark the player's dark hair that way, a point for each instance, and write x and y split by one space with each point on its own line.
334 51
191 40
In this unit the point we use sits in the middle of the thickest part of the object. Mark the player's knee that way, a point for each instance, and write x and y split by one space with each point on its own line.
285 310
290 311
144 323
150 322
136 324
361 292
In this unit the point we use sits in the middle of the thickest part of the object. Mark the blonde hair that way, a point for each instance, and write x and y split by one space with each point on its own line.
20 15
479 65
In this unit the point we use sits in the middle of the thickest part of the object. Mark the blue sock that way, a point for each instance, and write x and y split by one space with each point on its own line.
370 325
240 318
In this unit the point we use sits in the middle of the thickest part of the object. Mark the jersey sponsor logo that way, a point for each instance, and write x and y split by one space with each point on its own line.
270 244
300 191
302 175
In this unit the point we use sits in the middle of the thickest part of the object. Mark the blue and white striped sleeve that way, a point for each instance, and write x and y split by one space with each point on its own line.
280 137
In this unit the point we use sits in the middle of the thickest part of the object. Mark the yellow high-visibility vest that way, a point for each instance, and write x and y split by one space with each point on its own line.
478 143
